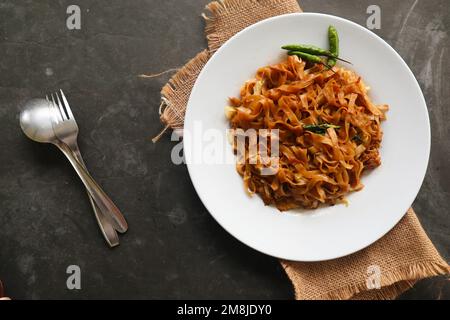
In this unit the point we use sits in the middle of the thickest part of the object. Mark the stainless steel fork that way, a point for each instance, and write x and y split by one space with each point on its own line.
107 229
66 129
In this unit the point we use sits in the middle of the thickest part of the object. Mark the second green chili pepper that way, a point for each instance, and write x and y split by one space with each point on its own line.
333 39
306 56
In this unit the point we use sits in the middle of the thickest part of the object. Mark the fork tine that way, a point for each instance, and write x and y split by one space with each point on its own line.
66 104
61 108
48 100
53 103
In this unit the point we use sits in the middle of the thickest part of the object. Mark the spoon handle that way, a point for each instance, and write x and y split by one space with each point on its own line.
100 198
107 229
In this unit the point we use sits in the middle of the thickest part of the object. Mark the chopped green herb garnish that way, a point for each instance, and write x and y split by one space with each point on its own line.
357 138
319 128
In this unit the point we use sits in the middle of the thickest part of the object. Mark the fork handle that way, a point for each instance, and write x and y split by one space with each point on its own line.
107 229
100 198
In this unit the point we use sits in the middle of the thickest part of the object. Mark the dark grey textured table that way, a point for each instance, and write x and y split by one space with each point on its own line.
174 248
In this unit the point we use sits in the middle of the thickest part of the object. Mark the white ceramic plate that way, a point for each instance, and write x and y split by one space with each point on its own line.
327 232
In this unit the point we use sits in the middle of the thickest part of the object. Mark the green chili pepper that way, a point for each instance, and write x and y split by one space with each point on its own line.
310 58
319 128
333 39
306 56
308 49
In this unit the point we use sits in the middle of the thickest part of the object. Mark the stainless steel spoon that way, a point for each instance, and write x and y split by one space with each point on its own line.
37 122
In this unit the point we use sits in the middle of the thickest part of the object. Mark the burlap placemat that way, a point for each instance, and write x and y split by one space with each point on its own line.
381 271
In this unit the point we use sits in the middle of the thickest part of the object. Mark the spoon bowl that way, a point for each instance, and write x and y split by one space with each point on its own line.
36 121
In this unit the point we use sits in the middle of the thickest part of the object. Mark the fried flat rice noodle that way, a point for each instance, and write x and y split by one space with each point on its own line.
314 168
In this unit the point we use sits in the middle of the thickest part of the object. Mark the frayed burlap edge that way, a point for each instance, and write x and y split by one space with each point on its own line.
216 9
173 116
393 283
173 100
